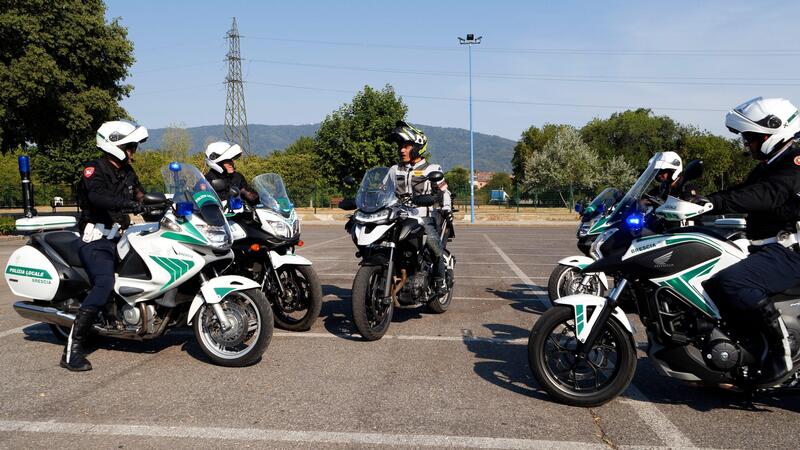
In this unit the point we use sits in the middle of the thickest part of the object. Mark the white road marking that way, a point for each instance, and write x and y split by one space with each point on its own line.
12 331
268 435
407 337
518 299
655 419
319 244
458 277
520 274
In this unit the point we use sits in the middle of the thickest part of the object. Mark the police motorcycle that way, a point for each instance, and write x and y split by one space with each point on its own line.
566 276
265 238
396 265
582 350
167 275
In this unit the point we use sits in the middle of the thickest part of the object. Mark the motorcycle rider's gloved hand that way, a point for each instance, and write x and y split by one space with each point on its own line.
699 200
133 207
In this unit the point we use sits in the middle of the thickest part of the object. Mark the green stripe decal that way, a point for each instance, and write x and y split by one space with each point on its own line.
175 267
579 318
222 292
28 272
681 285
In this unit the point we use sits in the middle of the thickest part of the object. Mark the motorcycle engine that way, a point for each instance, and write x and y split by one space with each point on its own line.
417 286
131 315
720 352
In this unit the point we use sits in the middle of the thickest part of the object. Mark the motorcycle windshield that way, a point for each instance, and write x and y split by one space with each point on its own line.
634 194
377 190
188 185
272 193
602 203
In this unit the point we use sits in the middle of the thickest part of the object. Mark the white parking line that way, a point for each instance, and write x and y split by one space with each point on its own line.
520 274
655 419
12 331
267 435
458 277
319 244
408 337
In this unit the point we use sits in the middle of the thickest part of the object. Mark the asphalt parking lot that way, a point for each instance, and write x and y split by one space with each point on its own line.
460 379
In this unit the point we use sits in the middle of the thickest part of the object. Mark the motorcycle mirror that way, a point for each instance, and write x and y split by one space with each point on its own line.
694 170
219 185
154 198
578 208
347 204
349 180
435 176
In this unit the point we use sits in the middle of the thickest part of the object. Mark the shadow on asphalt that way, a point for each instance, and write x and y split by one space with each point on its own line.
505 365
660 389
522 298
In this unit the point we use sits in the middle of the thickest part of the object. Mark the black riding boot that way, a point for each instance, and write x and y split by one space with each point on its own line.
778 361
74 357
439 283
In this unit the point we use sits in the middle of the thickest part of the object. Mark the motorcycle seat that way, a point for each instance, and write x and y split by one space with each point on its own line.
66 244
723 234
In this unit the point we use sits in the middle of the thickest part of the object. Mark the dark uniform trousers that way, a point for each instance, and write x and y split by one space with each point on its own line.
770 269
99 258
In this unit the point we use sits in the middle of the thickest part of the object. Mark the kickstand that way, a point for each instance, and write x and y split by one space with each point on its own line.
749 401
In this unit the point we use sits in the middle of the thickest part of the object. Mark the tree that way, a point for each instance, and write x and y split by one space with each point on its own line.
458 182
636 135
499 180
566 163
355 137
303 145
617 173
533 139
723 161
175 143
61 67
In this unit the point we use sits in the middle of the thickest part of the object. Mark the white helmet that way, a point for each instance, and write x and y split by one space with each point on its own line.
774 117
112 137
669 161
216 152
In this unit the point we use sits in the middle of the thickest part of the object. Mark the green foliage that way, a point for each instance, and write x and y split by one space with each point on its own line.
458 182
500 180
564 164
299 170
533 140
723 160
355 137
8 225
61 66
175 143
635 134
304 145
618 173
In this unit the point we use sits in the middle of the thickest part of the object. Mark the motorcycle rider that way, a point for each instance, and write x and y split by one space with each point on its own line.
107 192
769 195
410 175
670 168
219 159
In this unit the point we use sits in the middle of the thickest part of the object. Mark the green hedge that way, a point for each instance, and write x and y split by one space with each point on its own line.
7 225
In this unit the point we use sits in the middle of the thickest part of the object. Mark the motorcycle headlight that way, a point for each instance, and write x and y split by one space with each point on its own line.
280 228
379 216
583 228
218 236
594 250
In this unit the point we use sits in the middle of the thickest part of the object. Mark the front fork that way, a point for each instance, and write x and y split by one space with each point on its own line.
584 347
387 288
217 307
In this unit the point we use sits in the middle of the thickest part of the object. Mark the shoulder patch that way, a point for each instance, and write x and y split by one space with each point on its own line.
797 160
88 172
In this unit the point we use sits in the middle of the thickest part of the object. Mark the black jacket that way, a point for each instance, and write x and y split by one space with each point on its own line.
105 193
232 180
769 196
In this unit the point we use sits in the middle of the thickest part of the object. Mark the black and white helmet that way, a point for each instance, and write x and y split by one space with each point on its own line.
773 117
112 137
217 152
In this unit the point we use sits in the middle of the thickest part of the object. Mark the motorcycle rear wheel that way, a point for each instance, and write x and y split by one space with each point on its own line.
568 378
371 316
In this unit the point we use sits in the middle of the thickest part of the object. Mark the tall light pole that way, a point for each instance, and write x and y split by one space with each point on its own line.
469 41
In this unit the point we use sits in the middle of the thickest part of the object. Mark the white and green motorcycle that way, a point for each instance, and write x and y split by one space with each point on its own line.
582 350
167 276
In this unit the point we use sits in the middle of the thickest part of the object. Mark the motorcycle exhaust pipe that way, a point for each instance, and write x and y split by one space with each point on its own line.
27 186
46 314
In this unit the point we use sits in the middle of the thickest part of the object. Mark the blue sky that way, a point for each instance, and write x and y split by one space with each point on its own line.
539 62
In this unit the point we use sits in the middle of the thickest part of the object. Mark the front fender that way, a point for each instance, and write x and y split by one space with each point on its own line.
580 304
216 289
581 262
282 260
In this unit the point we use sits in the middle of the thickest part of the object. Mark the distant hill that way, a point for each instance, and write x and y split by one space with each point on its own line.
449 146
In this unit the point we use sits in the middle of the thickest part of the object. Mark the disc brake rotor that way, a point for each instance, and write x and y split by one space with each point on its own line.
238 319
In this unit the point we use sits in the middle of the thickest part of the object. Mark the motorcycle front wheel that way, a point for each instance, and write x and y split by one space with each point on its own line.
251 320
372 313
299 305
600 376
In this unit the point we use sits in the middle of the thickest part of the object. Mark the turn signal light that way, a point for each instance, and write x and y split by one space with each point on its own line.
300 243
255 247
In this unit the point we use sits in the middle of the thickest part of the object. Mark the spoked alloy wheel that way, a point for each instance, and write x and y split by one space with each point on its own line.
299 306
592 380
440 304
243 344
568 280
372 313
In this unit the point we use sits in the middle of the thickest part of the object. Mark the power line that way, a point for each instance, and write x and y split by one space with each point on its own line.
564 78
550 51
490 100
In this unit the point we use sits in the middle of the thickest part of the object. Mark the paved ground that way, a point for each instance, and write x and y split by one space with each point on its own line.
459 379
